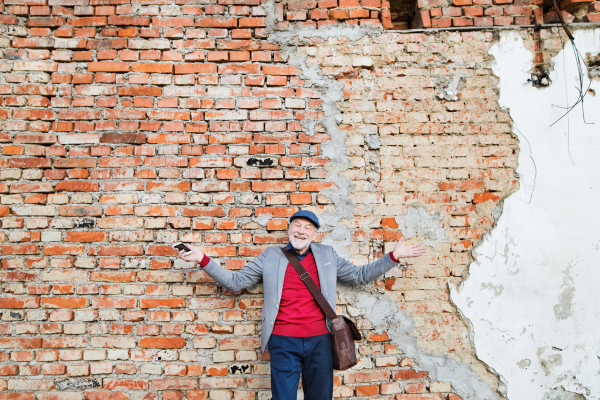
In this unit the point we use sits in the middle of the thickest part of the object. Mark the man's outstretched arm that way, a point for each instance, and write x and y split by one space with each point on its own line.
348 272
249 275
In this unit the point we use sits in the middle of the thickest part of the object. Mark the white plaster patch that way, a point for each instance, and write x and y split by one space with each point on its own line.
540 332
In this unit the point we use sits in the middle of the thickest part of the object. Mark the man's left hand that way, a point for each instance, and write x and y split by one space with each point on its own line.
402 250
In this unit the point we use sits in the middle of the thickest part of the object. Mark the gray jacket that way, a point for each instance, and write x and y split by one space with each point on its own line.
271 265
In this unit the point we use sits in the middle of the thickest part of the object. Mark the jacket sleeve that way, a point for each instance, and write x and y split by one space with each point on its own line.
350 273
249 275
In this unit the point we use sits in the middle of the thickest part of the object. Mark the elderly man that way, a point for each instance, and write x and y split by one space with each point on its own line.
293 325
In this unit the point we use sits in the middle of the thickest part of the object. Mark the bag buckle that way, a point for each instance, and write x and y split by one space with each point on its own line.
304 276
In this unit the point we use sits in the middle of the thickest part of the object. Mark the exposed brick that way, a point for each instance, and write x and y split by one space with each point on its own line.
129 127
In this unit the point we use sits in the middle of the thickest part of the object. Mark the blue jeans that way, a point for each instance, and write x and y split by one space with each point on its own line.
313 356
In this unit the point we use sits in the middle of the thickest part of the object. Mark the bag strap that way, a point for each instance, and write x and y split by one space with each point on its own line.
310 284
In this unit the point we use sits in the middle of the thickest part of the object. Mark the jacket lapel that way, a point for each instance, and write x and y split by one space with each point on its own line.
281 268
319 260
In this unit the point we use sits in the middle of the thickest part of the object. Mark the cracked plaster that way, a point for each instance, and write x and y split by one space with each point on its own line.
386 316
339 234
540 332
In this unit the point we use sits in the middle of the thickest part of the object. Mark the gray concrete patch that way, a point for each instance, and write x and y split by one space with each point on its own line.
263 219
418 221
335 150
77 383
386 316
449 89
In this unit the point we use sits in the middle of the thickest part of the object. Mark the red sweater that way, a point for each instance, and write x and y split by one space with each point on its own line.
299 313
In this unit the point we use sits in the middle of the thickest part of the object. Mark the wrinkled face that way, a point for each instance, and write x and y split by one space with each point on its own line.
301 233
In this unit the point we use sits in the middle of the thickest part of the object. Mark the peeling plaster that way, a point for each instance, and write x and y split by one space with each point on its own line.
418 220
386 316
302 33
540 334
339 236
562 394
450 88
262 219
373 142
381 310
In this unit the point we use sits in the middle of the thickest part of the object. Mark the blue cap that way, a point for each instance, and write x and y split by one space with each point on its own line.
309 215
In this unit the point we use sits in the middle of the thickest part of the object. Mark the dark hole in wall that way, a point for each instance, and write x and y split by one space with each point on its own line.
403 13
593 63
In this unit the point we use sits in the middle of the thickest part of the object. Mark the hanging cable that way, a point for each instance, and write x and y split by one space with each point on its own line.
580 61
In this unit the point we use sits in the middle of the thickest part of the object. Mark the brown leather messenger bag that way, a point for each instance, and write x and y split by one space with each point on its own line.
344 330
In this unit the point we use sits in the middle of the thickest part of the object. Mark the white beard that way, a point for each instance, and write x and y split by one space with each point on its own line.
299 244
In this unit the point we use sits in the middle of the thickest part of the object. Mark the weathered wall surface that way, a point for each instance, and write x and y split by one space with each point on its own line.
423 164
531 289
129 126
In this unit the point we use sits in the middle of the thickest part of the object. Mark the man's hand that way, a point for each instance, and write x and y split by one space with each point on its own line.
196 255
402 250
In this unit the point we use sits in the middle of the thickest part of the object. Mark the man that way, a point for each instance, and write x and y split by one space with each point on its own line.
293 325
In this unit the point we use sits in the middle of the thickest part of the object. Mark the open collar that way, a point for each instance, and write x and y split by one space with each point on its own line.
299 256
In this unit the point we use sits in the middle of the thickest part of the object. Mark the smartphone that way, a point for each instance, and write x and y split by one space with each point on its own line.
181 246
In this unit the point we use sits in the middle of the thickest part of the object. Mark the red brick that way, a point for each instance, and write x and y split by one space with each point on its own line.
105 302
125 384
125 20
162 303
595 18
441 22
64 302
483 197
160 68
140 91
87 21
120 250
19 302
20 343
86 236
472 11
108 66
484 21
109 276
105 395
368 390
462 22
408 374
360 377
161 343
267 186
77 186
195 68
217 22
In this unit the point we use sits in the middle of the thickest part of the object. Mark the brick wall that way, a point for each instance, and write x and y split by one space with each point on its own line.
129 126
461 13
328 12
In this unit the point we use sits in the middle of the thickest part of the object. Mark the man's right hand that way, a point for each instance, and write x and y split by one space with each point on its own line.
196 255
